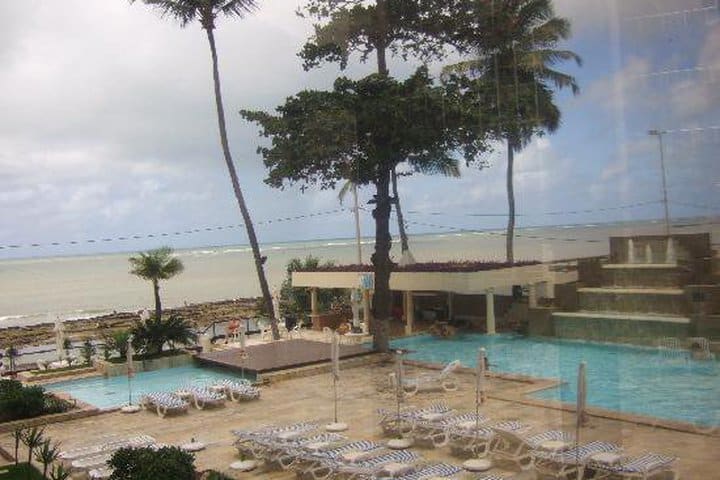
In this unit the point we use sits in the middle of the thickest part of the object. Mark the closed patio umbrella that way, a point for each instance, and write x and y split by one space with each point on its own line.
581 400
130 408
335 371
479 464
60 338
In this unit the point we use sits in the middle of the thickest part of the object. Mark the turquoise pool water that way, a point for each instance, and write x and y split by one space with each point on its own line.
109 392
619 377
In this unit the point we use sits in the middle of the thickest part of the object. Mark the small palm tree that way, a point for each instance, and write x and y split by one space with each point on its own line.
155 265
206 12
18 434
59 473
47 454
33 438
154 333
118 341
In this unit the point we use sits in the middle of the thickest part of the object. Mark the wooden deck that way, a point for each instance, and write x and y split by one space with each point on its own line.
268 357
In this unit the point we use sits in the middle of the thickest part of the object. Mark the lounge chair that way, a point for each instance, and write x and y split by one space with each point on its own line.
163 403
314 462
237 389
252 442
392 425
645 467
466 440
390 464
515 447
441 380
203 397
431 471
101 458
284 453
110 443
436 431
100 473
570 463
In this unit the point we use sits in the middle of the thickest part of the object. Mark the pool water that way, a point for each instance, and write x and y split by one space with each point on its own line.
630 379
106 392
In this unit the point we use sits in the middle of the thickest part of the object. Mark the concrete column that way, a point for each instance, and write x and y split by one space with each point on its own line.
366 311
314 307
532 295
490 310
451 307
409 309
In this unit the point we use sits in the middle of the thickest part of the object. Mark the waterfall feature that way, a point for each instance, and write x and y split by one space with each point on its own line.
631 251
648 253
670 252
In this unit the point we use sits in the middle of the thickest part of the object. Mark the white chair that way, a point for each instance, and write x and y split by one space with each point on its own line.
644 467
441 379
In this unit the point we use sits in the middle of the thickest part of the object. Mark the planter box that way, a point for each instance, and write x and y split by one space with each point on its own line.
115 369
322 320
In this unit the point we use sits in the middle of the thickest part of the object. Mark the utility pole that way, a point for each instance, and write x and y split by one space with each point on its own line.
659 134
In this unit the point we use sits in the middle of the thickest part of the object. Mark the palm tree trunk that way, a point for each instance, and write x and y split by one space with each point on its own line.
509 238
404 245
156 292
259 260
382 265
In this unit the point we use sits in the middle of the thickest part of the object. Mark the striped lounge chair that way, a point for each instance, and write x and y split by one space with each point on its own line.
570 463
468 441
644 467
163 403
392 425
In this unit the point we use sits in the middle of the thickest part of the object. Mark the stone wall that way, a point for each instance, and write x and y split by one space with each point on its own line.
616 330
115 369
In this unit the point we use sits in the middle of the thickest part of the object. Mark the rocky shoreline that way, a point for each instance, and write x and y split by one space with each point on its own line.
200 314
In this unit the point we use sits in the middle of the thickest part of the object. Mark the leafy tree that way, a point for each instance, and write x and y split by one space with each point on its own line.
206 12
87 351
33 438
297 300
369 126
47 454
117 341
517 42
152 334
155 265
151 464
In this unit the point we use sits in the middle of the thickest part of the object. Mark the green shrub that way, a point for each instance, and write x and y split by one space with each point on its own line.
214 475
169 463
18 402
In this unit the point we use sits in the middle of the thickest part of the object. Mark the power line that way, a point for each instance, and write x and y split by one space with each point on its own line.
177 233
552 213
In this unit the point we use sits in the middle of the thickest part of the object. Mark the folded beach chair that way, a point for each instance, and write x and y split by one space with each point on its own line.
430 471
466 440
570 463
104 445
432 380
392 425
516 447
435 432
203 397
645 467
390 464
163 403
238 389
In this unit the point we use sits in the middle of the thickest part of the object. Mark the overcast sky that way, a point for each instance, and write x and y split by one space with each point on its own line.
108 126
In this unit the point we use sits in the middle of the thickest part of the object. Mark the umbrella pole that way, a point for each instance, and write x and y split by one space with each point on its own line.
336 399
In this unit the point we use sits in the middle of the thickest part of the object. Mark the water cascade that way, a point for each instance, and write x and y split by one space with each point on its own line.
648 253
670 252
631 251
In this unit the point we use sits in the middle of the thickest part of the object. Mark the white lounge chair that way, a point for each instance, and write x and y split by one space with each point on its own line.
644 467
204 397
431 471
163 403
252 443
237 389
392 463
432 380
467 440
516 447
393 425
435 432
314 462
571 463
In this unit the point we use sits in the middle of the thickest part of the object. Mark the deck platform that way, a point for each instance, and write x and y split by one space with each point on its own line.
273 356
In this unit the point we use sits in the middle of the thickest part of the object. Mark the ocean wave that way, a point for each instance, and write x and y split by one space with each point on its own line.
13 317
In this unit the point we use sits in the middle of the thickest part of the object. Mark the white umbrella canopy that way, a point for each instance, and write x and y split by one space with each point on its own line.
59 338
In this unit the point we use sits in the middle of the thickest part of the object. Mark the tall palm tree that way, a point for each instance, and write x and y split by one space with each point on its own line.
47 454
155 265
33 438
206 12
517 42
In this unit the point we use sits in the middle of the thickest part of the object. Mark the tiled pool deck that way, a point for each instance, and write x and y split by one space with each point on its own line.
364 389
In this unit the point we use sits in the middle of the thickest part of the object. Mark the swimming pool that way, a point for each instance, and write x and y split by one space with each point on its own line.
107 392
623 378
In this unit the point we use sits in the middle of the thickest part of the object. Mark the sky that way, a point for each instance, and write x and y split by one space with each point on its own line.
108 128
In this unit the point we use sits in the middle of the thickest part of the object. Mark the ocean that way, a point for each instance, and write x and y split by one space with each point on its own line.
35 290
